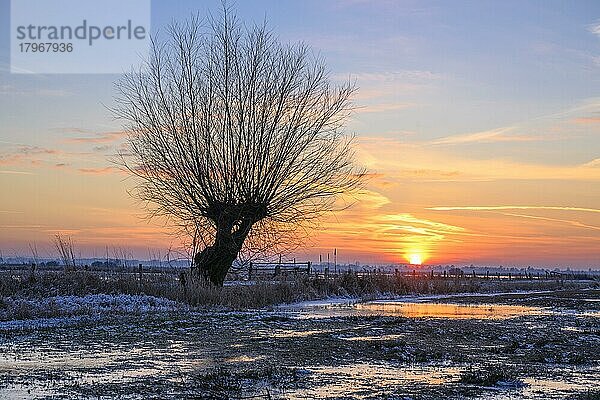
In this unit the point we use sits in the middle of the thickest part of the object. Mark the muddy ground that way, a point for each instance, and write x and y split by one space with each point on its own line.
549 351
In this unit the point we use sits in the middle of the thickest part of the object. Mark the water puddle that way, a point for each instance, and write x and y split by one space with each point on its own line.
37 372
360 379
411 309
446 310
569 383
379 338
284 334
244 359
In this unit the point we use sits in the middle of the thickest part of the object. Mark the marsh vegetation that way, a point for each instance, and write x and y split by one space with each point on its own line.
132 342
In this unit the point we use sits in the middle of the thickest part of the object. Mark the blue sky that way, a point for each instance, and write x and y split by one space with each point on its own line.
490 64
506 92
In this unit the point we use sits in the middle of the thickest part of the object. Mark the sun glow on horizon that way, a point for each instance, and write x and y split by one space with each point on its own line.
415 259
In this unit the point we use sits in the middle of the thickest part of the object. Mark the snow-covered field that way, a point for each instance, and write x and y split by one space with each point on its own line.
18 308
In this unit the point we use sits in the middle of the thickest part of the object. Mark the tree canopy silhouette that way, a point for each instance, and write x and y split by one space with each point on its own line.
235 136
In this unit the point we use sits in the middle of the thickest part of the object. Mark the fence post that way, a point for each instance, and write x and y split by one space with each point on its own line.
335 261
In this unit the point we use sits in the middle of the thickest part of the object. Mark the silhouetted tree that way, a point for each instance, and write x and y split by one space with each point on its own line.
235 137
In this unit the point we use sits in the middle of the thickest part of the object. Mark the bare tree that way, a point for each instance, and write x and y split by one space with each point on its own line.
34 252
121 256
236 138
64 248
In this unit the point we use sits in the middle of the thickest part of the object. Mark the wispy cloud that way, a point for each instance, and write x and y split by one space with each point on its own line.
386 86
15 172
21 226
392 76
595 28
25 153
23 159
384 107
566 221
587 120
498 208
102 137
373 225
403 160
548 127
388 234
99 171
433 225
490 136
592 164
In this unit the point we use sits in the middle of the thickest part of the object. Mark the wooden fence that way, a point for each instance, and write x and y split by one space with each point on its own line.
280 270
292 270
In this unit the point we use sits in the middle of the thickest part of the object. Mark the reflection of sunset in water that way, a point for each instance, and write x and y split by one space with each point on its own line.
410 309
440 310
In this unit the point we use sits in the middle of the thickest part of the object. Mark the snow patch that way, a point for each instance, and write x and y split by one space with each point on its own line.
61 306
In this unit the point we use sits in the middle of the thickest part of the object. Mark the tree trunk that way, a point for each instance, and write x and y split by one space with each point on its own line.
213 262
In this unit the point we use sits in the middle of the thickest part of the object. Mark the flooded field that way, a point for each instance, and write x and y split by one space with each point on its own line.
507 346
413 309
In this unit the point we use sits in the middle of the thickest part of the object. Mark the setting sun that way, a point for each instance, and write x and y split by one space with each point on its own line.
415 259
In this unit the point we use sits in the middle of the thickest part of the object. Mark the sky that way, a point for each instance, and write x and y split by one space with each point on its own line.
479 122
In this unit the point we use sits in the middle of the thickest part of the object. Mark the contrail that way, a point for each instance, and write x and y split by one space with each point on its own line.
496 208
566 221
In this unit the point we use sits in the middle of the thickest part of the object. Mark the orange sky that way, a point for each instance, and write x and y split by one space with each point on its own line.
420 199
452 210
